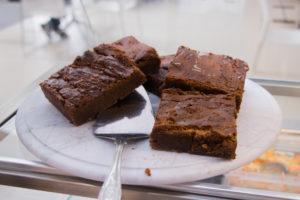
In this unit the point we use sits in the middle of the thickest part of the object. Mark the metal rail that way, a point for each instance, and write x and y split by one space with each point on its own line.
279 86
36 175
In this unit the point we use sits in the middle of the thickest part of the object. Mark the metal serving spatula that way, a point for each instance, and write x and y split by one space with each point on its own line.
130 120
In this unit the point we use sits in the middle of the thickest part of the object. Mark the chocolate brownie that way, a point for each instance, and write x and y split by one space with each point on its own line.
196 123
94 82
207 72
156 79
144 56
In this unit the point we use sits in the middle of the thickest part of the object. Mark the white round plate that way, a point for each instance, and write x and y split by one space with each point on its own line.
50 136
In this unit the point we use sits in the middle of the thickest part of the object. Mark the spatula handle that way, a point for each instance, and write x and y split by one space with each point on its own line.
111 188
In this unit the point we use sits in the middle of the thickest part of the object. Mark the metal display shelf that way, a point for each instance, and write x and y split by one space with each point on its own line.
26 173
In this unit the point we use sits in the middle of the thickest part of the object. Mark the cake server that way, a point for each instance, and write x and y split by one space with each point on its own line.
131 119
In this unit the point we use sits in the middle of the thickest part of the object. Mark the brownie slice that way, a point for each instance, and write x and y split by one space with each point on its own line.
207 72
156 79
196 123
144 56
94 82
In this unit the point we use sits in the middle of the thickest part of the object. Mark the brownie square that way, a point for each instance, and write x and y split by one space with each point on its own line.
144 56
207 72
156 79
196 123
94 82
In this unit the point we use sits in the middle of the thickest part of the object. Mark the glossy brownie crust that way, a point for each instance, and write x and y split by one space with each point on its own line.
94 82
156 79
207 72
144 56
192 122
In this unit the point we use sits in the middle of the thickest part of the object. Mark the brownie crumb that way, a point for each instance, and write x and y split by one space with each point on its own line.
148 172
132 148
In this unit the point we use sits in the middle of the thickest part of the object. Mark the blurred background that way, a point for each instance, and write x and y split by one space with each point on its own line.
37 37
264 33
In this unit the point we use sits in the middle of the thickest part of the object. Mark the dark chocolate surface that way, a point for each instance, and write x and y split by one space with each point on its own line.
156 79
93 77
145 57
165 61
213 72
196 123
193 109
